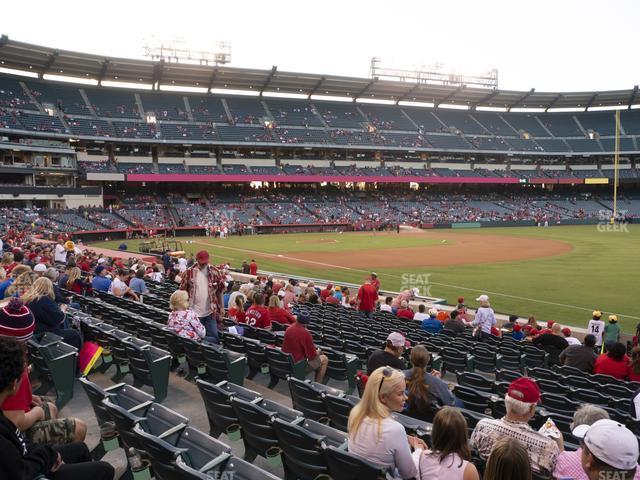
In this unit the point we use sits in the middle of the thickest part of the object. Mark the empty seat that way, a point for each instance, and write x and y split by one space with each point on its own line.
223 364
347 466
473 399
453 360
196 449
473 380
256 421
123 395
338 409
58 362
342 366
303 447
149 366
307 399
281 366
217 401
238 469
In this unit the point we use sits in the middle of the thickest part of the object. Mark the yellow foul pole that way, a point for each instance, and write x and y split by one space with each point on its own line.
615 168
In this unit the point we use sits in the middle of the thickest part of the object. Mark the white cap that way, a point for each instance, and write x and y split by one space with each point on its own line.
281 293
102 260
396 339
433 312
482 298
40 267
610 442
416 291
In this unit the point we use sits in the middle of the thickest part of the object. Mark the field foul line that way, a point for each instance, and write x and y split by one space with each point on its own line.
398 277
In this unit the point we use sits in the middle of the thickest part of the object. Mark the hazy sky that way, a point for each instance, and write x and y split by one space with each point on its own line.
555 45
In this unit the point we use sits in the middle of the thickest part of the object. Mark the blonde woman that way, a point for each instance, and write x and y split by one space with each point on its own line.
182 319
15 273
75 283
374 434
49 316
21 284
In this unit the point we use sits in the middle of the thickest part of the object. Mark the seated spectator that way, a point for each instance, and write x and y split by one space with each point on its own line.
20 460
553 343
330 300
634 365
236 312
49 316
511 323
374 434
119 286
182 319
235 292
405 312
52 274
279 314
421 314
156 274
137 283
615 362
609 450
325 292
100 281
566 331
76 284
508 460
386 306
581 357
454 324
431 324
520 403
404 296
391 356
449 455
426 391
22 284
569 464
299 343
257 315
517 333
442 316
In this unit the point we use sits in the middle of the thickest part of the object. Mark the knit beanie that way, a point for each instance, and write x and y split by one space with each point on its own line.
16 320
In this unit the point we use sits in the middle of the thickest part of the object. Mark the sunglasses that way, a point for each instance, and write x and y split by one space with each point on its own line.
387 372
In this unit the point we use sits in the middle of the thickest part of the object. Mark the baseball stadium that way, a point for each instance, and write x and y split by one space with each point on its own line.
236 259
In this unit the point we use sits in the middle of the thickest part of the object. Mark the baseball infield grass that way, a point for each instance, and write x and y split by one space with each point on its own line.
600 271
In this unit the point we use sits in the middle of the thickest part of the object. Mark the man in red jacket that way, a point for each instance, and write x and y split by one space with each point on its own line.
367 298
299 343
253 267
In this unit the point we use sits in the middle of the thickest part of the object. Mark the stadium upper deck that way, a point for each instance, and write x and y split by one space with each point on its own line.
31 106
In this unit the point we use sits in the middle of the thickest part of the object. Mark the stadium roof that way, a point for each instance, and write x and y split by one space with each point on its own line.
50 61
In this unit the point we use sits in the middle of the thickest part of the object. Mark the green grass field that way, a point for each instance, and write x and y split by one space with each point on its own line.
599 272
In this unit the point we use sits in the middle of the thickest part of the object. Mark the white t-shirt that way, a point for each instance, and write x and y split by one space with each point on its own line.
572 341
182 264
596 328
200 301
421 316
119 284
390 447
450 468
156 276
60 254
385 308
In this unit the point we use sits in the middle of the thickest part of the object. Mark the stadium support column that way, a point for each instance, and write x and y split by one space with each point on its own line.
615 168
218 156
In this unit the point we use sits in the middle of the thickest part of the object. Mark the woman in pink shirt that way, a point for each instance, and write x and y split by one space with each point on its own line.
182 319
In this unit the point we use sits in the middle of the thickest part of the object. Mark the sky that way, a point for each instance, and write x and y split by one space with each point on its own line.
560 45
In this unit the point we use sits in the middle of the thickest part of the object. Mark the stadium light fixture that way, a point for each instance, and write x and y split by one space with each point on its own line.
375 101
452 106
404 103
527 110
64 78
331 98
565 109
285 95
13 71
491 109
607 108
138 86
180 88
231 91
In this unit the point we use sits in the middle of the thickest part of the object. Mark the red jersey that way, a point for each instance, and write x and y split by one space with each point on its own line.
605 365
237 315
299 343
253 268
376 284
333 300
22 398
326 293
258 316
633 377
367 295
281 315
405 313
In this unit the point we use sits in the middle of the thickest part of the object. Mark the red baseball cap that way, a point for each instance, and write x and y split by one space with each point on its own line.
566 331
550 323
202 256
525 390
517 328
